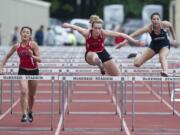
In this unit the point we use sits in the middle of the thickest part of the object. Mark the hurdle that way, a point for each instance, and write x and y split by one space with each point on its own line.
59 71
122 80
144 79
38 77
174 99
90 78
1 85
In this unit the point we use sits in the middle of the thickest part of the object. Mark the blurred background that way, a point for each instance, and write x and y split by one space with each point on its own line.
47 16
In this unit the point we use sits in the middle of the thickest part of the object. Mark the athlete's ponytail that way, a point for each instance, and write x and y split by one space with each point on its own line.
95 19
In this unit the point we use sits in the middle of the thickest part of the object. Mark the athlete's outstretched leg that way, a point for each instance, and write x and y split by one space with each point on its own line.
163 60
112 68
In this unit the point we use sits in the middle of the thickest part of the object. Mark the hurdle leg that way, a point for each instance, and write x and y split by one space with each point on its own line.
122 103
60 96
116 97
172 99
68 95
52 103
125 97
62 103
133 105
161 90
1 85
125 93
12 96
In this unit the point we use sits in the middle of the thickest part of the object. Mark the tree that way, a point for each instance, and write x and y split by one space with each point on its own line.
69 9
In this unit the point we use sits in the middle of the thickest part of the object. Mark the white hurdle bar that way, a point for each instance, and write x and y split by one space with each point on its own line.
85 78
57 70
68 64
172 72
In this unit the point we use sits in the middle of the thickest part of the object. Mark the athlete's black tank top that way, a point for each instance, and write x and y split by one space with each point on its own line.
160 39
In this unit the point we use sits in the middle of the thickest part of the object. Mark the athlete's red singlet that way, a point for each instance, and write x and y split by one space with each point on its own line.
94 45
26 61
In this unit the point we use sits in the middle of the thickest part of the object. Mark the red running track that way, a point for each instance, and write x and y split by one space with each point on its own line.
91 111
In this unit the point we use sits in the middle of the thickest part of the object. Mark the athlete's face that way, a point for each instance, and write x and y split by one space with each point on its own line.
97 27
25 34
155 20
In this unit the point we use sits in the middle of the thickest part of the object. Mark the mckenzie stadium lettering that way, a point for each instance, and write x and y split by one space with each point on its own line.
151 79
82 78
12 77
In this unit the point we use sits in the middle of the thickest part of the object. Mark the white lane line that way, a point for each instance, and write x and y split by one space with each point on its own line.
90 92
119 112
9 109
92 101
38 91
60 120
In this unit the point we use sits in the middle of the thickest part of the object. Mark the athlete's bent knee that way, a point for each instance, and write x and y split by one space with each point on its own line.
24 93
137 64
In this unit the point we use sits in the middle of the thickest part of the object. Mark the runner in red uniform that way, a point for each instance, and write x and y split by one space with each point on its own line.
96 54
29 55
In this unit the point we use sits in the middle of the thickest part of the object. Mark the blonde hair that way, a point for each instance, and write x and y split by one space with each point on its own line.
95 19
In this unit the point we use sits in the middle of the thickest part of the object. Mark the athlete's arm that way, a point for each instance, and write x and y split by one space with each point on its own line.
118 34
169 25
8 55
36 55
136 33
81 30
141 31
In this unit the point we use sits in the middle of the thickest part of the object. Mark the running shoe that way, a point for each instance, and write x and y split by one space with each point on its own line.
24 118
30 117
164 74
103 71
132 55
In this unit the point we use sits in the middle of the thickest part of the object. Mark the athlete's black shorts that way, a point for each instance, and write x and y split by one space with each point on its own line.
157 47
103 56
28 72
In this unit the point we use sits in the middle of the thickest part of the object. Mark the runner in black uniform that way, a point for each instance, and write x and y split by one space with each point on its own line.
159 40
160 43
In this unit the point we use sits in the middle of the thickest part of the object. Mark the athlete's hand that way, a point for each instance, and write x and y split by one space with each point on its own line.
66 25
30 52
121 44
140 43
